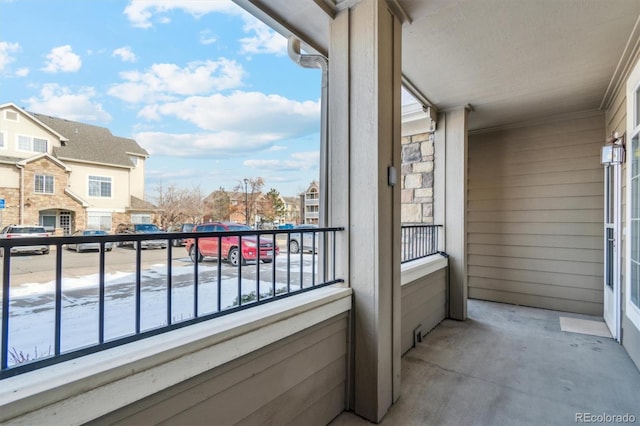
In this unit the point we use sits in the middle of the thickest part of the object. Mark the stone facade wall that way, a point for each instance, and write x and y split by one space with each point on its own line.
11 212
417 179
34 202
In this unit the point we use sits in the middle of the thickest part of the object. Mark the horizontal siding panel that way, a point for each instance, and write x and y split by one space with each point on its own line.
544 137
509 169
433 280
579 229
592 282
542 203
551 178
551 253
539 216
234 390
539 191
515 152
427 317
305 395
544 265
564 305
559 241
556 291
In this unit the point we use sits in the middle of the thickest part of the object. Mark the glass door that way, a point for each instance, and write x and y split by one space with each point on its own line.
612 248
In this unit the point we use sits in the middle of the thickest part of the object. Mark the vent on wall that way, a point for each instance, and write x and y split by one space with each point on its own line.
11 115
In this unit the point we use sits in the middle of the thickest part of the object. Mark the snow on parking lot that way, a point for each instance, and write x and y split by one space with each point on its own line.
32 305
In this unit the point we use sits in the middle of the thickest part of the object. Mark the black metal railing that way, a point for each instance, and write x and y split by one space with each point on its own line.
213 288
418 241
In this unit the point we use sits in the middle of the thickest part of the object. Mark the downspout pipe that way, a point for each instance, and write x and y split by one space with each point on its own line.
317 61
21 167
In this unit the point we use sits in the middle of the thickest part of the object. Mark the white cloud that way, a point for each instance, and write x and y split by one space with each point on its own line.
298 161
263 40
22 72
210 145
6 49
207 37
125 54
276 148
141 12
61 102
253 113
163 81
63 59
233 126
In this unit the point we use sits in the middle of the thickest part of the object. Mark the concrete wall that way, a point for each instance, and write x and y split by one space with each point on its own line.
535 215
423 297
299 380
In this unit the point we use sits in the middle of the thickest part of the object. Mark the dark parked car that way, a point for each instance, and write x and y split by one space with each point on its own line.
21 231
185 227
140 228
78 247
230 249
304 240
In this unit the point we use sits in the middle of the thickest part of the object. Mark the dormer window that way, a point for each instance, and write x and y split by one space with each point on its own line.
134 160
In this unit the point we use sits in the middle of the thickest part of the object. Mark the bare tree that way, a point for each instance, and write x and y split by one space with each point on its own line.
179 205
248 192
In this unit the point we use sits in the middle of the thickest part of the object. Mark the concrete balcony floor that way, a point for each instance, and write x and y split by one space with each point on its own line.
511 365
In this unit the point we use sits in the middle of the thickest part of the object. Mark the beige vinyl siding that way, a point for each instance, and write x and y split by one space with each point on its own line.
423 304
534 214
616 121
300 380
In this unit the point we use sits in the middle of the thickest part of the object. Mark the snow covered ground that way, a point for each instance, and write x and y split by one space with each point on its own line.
32 305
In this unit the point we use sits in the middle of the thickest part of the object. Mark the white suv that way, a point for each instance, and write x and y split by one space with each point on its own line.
21 231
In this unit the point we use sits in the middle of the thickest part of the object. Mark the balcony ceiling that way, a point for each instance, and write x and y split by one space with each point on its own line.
511 60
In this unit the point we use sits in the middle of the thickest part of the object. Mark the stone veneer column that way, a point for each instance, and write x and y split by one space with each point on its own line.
417 178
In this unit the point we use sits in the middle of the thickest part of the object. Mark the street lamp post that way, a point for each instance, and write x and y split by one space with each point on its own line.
246 202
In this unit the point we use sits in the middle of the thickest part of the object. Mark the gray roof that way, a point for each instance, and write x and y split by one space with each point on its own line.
9 160
141 205
92 143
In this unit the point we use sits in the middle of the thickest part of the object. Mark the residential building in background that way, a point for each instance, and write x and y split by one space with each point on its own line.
310 204
66 175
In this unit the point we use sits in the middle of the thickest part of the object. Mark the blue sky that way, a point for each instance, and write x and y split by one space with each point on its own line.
203 86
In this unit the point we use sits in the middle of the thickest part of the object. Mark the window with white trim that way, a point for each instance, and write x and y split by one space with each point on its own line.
134 160
3 137
43 184
140 218
99 220
27 143
99 186
632 295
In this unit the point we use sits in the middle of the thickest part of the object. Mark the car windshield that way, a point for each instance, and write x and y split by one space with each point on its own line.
147 228
188 227
239 228
94 232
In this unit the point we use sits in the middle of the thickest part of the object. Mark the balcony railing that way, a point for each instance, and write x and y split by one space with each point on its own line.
223 288
419 241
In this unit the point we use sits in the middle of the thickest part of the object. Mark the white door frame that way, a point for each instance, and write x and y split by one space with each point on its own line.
612 248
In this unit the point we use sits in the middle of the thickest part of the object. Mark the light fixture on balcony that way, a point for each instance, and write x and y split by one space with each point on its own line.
613 152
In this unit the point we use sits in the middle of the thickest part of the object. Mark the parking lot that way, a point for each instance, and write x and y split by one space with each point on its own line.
36 268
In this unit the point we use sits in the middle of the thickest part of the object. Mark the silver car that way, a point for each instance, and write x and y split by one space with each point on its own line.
78 247
21 231
304 241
